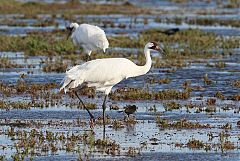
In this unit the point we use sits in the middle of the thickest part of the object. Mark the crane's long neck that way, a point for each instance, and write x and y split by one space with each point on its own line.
141 70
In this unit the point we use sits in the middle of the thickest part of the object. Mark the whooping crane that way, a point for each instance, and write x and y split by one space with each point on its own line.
103 74
89 37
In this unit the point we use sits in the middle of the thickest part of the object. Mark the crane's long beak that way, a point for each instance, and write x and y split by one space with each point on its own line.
164 51
70 30
161 50
69 34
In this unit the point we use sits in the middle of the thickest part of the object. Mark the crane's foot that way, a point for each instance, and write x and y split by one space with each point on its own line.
92 123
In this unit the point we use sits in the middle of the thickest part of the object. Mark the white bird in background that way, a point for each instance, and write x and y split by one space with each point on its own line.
89 37
103 74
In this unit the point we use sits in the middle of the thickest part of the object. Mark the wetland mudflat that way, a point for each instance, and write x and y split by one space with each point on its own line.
187 105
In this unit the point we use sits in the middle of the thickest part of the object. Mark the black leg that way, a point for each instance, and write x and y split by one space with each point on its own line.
92 117
104 107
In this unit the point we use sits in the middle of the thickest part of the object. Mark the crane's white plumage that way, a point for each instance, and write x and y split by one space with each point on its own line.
103 74
90 37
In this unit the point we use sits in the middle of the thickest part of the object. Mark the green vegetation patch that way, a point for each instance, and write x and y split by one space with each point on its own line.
37 44
32 9
190 44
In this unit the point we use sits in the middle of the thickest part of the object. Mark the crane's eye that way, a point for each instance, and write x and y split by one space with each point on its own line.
152 47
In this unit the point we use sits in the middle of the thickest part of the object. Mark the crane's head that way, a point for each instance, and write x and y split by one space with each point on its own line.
155 46
71 28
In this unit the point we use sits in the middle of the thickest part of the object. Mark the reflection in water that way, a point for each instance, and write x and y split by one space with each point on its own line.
130 129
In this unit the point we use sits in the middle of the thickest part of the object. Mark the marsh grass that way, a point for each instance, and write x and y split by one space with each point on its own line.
200 21
90 106
219 95
42 103
117 124
195 144
37 44
32 9
181 124
21 87
215 22
5 62
221 4
132 151
153 80
211 101
40 22
219 64
236 83
170 62
193 43
58 66
144 94
231 4
46 141
235 97
206 79
169 106
15 105
11 22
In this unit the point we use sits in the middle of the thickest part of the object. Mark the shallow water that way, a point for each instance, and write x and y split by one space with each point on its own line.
123 25
134 135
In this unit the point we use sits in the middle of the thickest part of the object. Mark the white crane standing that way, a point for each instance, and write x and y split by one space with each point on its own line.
89 37
103 74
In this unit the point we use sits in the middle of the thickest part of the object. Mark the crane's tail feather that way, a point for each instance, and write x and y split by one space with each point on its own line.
102 41
66 84
70 80
70 84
